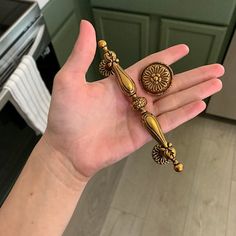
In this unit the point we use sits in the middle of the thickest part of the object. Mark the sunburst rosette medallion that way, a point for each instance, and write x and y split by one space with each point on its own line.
104 69
156 78
160 153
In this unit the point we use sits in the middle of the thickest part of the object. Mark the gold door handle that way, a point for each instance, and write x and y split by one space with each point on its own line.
163 152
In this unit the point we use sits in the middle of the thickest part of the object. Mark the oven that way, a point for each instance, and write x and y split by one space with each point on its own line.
22 31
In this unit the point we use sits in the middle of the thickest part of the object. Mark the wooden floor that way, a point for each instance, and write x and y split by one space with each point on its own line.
152 200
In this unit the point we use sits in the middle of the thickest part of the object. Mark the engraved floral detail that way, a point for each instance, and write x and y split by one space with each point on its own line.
158 155
164 154
156 78
104 70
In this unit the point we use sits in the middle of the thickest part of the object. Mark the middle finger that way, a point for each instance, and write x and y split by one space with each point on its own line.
193 77
195 93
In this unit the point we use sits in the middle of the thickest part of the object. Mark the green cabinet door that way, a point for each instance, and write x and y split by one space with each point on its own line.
126 33
55 13
212 11
205 41
65 38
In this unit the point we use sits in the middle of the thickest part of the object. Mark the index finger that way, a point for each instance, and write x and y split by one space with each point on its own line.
167 56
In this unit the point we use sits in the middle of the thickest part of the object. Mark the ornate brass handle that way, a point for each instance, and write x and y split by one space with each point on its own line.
163 152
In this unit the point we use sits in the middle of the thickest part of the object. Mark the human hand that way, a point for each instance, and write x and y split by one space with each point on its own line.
92 125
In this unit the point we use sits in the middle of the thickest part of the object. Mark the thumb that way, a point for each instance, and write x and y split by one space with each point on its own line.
84 50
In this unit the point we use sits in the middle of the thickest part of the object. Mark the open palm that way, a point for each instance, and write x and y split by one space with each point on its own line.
93 124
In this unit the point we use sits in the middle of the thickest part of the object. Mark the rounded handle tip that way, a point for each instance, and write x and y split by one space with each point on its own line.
102 43
179 167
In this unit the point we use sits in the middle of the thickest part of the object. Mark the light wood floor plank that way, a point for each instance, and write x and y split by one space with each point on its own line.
120 223
231 224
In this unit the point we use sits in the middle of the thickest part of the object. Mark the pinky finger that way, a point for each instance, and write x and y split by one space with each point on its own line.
173 119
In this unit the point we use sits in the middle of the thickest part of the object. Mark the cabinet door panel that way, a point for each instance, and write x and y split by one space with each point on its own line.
64 40
204 41
55 14
127 34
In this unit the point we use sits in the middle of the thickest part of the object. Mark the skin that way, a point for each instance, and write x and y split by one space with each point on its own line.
91 126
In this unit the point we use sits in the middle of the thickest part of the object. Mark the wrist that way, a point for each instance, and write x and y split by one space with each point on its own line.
59 166
46 188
